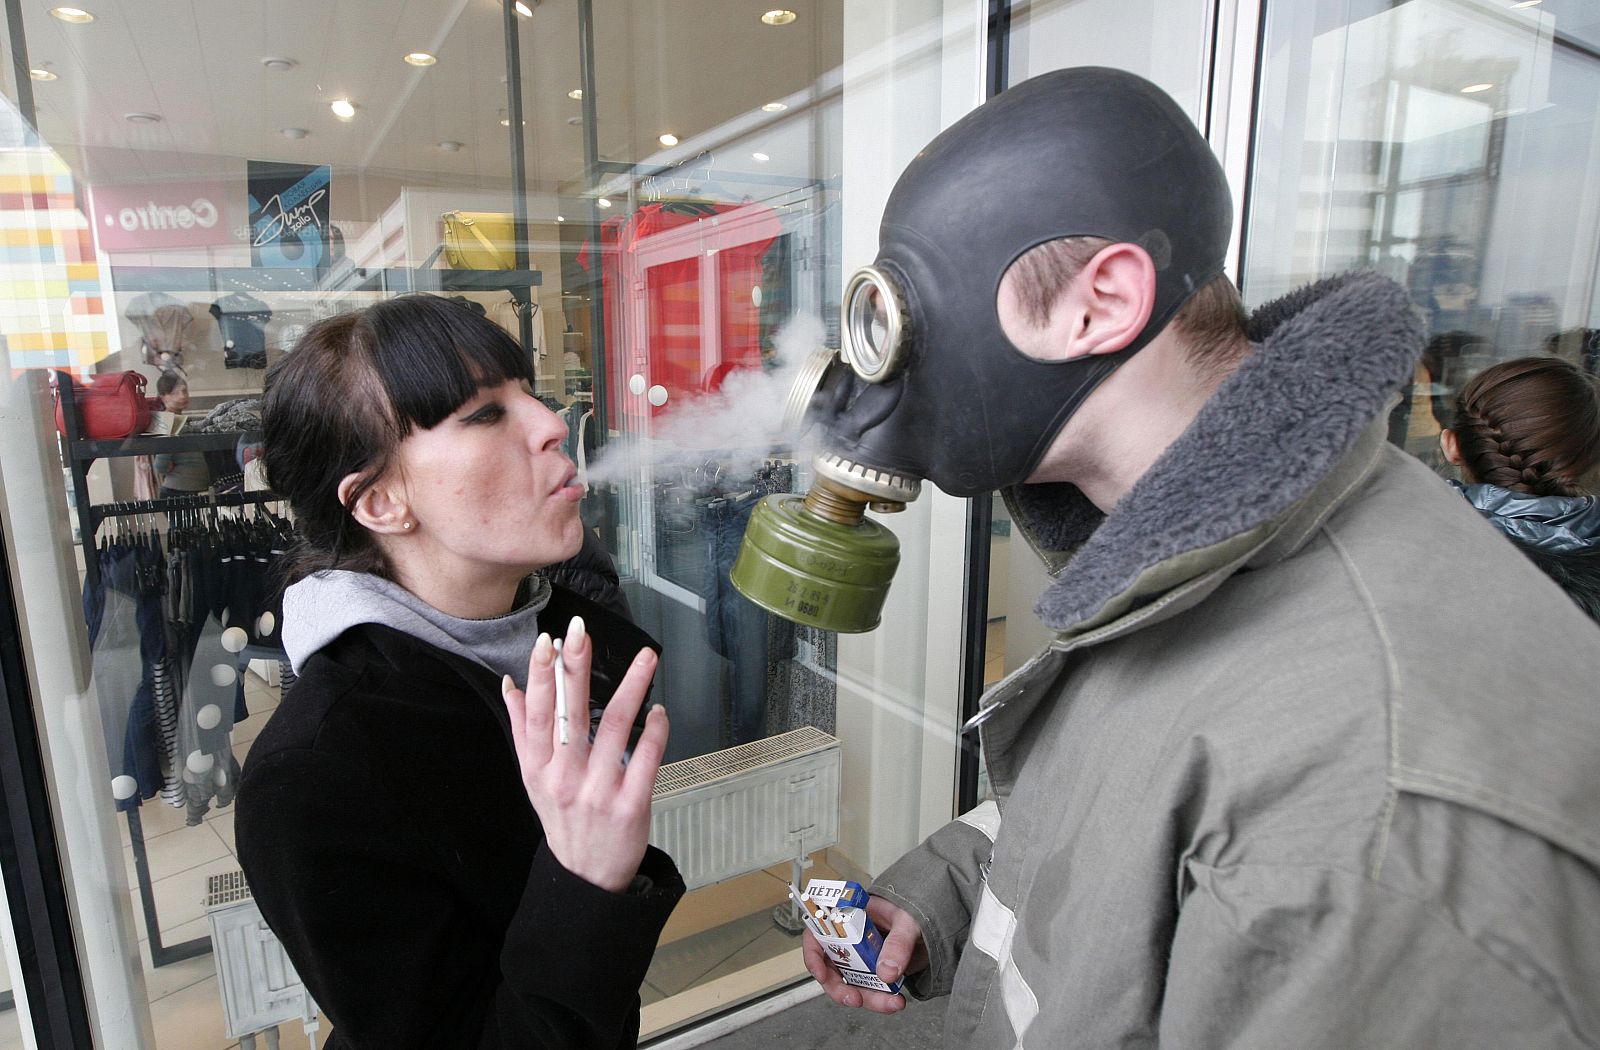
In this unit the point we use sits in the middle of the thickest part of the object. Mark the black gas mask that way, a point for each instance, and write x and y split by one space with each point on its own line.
926 385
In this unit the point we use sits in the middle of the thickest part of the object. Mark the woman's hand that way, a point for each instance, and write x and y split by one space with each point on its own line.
596 814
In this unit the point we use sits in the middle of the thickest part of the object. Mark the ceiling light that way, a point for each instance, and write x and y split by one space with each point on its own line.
293 133
762 157
1525 3
142 118
524 10
604 202
420 58
561 218
779 17
343 108
576 94
450 146
1473 89
668 139
76 15
41 74
774 107
274 64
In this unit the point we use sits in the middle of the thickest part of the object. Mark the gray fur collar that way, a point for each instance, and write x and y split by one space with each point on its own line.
1326 360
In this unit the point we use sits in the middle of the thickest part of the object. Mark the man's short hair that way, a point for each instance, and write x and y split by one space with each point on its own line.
168 382
1211 323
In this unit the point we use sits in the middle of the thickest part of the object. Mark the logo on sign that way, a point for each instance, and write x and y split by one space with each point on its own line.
201 213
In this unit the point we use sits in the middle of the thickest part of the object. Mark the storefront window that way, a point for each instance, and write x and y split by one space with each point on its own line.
1452 146
658 202
1166 43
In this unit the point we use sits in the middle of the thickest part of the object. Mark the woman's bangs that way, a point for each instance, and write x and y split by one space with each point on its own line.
434 355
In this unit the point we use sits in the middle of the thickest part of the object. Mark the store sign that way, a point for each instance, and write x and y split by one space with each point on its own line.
289 210
149 216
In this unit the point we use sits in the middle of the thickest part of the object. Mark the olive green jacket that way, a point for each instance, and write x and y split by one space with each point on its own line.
1313 762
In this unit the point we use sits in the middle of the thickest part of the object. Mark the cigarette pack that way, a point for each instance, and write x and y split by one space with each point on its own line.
836 913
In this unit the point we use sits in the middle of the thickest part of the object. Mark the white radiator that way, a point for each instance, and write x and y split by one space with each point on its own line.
749 807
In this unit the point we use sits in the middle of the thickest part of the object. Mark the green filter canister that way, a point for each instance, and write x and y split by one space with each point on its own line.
803 567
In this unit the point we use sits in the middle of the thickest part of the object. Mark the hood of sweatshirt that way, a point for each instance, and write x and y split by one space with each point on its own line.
321 607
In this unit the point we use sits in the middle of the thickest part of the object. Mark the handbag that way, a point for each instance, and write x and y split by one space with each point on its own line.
112 406
479 240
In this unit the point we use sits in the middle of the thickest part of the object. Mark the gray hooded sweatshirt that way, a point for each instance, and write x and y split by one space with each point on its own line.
324 605
1313 761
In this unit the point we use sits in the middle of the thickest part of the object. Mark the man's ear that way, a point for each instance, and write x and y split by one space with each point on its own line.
1100 311
379 508
1111 300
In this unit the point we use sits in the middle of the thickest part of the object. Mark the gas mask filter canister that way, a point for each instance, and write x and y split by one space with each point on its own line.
926 384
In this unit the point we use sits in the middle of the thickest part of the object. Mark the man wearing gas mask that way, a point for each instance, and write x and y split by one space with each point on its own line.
1277 782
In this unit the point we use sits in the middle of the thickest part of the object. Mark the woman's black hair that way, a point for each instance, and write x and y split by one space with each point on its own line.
350 392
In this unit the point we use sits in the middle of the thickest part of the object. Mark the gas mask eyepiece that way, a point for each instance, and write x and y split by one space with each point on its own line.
877 326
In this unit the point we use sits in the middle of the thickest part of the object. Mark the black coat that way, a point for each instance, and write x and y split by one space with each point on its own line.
383 827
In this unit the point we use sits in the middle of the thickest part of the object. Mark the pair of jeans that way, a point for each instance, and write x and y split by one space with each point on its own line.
736 627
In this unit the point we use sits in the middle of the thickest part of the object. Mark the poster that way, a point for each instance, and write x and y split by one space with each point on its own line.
289 209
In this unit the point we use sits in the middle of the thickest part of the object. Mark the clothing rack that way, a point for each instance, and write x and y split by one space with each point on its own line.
79 453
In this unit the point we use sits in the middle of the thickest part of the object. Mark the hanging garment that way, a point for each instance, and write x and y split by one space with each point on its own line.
243 321
163 324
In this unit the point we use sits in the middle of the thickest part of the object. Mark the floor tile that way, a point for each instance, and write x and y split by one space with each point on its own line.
685 962
181 897
771 944
222 824
190 1019
162 981
712 906
178 850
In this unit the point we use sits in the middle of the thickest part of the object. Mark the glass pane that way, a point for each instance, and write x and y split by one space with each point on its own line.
1451 147
1155 40
206 184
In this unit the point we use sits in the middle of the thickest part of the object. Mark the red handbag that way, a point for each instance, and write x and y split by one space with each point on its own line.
112 405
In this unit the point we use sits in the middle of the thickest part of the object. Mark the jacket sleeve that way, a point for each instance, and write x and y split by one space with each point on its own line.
375 930
939 884
1272 956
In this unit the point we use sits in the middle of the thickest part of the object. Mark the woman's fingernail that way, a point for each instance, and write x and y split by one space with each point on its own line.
544 654
507 686
575 634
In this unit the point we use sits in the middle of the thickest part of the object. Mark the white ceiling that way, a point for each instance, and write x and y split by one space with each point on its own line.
684 66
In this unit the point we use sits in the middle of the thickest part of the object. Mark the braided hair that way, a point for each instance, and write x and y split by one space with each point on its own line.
1531 425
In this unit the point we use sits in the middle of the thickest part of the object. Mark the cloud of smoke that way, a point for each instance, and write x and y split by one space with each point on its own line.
739 426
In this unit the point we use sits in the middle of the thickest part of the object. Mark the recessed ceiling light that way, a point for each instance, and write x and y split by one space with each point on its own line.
779 17
774 107
76 15
668 139
142 118
762 157
293 133
1473 89
576 94
420 58
524 10
450 146
41 74
275 64
343 108
604 202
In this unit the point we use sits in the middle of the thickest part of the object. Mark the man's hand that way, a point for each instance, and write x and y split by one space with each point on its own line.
903 953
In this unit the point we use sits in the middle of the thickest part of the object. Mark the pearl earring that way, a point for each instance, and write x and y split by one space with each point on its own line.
407 525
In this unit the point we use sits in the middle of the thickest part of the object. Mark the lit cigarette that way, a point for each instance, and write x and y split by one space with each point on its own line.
561 696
